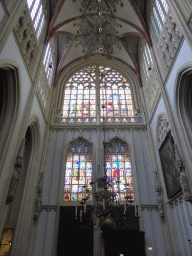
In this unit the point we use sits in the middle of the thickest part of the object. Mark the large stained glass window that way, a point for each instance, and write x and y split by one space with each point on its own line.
80 97
112 90
115 95
78 171
118 165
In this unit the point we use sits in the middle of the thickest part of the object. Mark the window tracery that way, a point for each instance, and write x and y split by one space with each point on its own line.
118 166
80 99
78 170
80 96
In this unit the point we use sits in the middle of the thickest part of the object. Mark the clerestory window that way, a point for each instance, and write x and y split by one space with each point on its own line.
37 15
160 10
97 86
48 63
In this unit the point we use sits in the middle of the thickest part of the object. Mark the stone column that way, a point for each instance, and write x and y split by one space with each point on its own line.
16 173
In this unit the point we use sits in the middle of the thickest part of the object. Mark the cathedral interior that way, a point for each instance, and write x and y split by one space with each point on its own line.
96 127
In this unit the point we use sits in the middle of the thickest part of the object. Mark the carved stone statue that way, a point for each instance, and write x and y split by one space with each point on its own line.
16 173
183 178
160 204
38 202
159 197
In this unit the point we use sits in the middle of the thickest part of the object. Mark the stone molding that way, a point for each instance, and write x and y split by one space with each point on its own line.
27 41
49 208
114 127
177 202
19 163
149 207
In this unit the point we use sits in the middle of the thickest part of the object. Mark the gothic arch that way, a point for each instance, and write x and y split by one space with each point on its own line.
9 106
183 102
25 192
119 67
64 162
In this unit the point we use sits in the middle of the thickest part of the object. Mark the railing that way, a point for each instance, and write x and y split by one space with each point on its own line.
125 120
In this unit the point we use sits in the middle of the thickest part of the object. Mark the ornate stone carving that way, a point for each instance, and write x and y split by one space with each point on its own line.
16 173
159 197
163 129
27 41
183 178
38 202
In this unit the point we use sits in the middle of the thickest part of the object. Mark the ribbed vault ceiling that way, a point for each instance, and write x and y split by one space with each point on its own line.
109 28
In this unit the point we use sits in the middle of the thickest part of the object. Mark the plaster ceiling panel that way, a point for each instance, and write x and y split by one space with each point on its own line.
126 12
123 55
74 53
68 11
131 43
64 42
69 27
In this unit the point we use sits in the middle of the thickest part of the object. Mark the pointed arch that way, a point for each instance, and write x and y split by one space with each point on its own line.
9 106
183 101
78 170
118 168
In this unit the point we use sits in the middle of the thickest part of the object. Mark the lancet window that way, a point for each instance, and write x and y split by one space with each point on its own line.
115 95
82 95
147 61
48 63
37 16
78 170
160 10
118 166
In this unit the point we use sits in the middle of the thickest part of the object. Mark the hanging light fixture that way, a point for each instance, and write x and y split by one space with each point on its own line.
105 199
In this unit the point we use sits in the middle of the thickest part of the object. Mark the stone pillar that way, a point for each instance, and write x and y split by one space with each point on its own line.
16 173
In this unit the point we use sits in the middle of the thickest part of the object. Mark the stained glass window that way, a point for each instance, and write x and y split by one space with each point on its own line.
115 94
118 165
78 171
112 90
80 97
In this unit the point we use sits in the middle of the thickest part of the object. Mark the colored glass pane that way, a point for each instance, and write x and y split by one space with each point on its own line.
78 170
114 91
80 96
118 168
